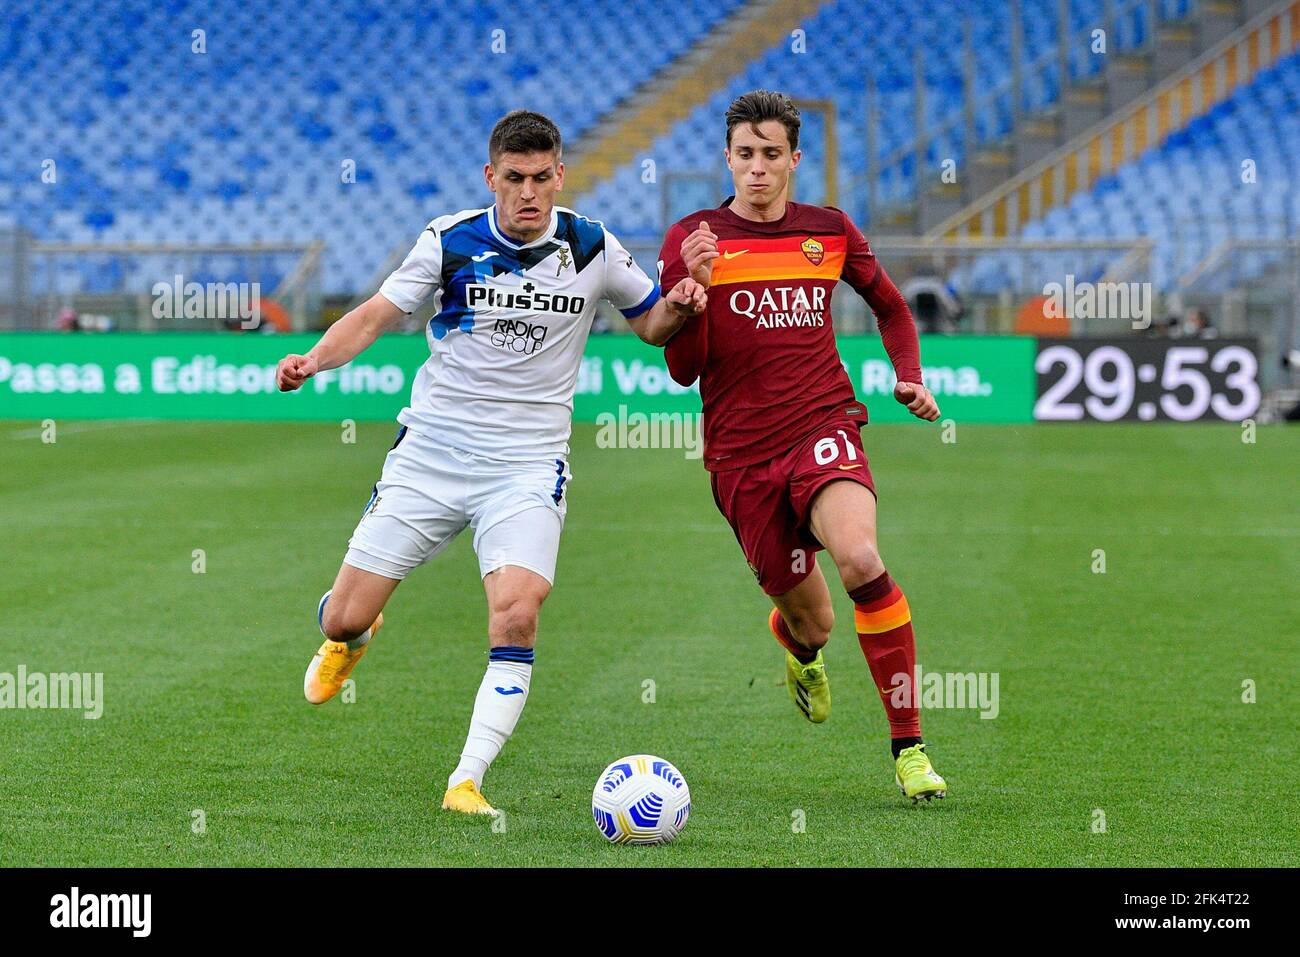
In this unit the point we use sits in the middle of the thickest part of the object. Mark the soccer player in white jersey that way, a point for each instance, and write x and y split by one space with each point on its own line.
484 442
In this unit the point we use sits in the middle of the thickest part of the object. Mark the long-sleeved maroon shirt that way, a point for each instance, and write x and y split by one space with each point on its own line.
764 350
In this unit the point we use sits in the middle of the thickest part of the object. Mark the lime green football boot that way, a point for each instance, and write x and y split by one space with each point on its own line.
809 687
807 684
915 777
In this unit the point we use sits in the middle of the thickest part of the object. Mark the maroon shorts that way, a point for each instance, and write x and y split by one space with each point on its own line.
768 504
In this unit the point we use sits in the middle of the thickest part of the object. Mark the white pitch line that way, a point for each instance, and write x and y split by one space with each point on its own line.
1009 529
87 425
44 521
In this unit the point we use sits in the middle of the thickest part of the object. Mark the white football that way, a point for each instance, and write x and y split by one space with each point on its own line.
641 799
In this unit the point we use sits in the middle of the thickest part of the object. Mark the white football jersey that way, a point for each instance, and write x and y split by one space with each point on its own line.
512 319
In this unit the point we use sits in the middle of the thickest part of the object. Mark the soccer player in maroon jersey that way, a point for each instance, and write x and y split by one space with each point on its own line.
781 420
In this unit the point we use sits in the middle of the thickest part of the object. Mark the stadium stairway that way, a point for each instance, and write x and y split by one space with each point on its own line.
666 98
1211 210
685 84
887 51
1145 122
1172 34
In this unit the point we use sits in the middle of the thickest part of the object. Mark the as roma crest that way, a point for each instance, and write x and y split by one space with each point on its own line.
814 250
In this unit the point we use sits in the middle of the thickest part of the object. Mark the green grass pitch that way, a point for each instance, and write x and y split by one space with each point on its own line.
1119 692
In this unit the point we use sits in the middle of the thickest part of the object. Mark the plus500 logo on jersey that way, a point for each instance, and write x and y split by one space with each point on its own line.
524 297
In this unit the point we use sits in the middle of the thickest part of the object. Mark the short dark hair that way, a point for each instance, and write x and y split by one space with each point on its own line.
523 131
758 106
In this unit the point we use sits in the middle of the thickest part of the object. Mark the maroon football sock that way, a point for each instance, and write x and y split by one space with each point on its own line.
782 632
884 624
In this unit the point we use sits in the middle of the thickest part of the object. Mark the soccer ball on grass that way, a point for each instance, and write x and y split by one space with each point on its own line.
641 799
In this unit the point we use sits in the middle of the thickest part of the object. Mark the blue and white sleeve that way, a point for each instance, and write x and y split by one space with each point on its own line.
415 280
627 288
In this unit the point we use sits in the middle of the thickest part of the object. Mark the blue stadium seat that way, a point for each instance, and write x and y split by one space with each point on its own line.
843 45
245 141
1189 194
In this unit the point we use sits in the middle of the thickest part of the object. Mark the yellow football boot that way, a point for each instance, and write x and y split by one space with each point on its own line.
915 777
332 664
808 685
465 797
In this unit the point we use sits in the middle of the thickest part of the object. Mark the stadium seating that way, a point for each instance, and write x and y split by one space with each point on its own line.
843 44
247 142
1189 189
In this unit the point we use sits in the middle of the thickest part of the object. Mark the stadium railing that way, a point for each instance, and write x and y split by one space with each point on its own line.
987 114
1120 137
1252 285
140 287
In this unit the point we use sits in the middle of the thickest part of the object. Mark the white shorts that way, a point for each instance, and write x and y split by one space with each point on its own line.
429 492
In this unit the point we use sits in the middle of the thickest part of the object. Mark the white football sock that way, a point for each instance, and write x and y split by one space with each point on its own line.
497 707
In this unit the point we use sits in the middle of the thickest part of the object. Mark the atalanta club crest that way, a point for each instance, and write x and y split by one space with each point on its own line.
814 250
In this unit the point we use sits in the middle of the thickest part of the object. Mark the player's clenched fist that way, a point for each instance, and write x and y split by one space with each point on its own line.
293 371
699 249
687 298
918 400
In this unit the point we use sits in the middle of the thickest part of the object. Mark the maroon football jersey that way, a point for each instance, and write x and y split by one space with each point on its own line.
764 350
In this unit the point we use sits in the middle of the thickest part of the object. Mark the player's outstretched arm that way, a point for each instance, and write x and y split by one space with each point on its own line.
685 256
898 331
342 342
661 321
868 278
